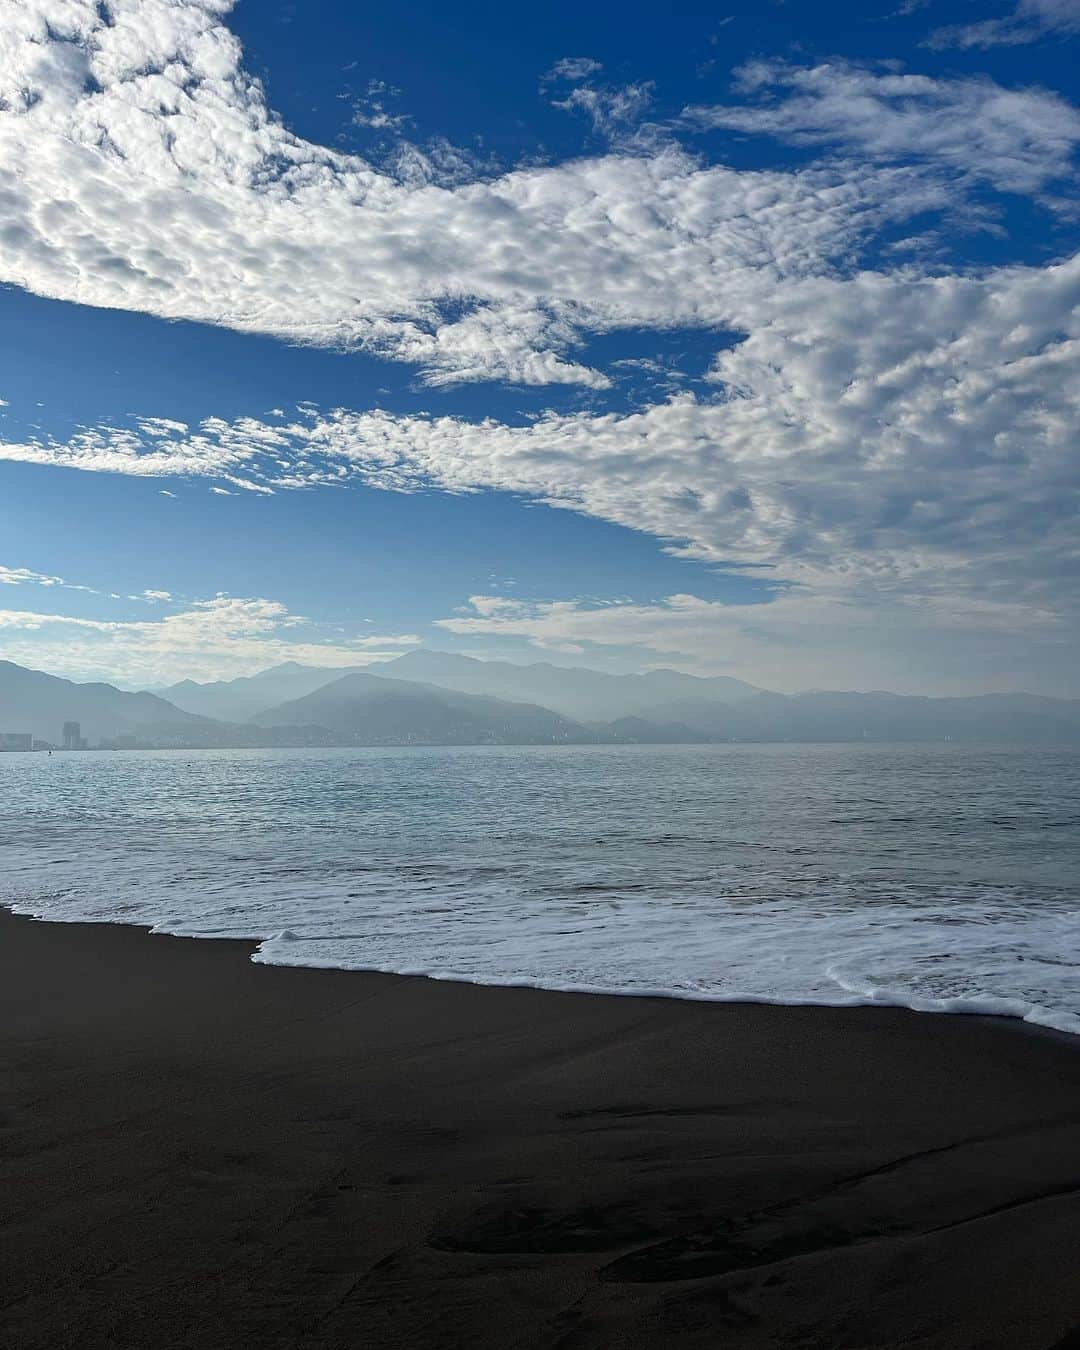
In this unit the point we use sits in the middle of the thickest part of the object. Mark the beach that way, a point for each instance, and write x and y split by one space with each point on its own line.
206 1153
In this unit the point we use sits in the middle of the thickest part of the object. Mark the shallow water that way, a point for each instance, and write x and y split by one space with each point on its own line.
941 877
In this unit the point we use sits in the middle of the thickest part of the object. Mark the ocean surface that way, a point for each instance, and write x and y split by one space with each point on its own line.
939 877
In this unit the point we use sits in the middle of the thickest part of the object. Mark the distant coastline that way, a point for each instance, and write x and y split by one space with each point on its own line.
437 698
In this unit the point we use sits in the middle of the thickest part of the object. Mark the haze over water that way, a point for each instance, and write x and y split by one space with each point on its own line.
939 877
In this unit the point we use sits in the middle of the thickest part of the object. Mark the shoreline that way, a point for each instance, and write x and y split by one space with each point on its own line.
201 1150
850 1003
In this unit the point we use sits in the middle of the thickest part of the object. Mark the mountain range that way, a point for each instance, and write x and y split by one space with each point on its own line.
374 710
574 691
438 698
33 702
241 699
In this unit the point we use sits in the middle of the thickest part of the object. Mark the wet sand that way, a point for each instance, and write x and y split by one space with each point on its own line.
200 1152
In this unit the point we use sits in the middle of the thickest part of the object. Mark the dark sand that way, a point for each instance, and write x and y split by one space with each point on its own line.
203 1153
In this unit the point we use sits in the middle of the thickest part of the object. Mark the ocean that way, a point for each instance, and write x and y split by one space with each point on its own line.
942 878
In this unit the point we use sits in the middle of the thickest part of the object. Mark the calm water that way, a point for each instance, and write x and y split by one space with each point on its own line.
938 877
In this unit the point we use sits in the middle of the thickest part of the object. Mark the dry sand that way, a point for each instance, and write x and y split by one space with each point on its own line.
200 1152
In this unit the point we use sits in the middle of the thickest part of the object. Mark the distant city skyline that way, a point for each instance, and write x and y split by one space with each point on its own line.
741 342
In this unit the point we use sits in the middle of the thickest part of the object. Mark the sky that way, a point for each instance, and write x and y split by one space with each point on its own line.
742 338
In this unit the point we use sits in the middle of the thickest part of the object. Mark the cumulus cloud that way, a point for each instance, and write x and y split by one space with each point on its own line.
209 639
1016 139
146 172
879 434
1028 21
899 438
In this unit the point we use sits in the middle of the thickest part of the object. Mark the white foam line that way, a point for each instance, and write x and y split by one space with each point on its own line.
988 1005
985 1005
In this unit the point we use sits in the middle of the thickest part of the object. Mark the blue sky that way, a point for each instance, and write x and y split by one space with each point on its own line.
744 340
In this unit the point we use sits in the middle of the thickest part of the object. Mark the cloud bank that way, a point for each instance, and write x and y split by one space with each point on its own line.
873 434
885 438
205 640
146 172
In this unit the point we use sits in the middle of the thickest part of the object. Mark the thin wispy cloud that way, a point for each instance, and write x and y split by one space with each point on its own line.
1028 21
573 68
614 111
1016 139
25 576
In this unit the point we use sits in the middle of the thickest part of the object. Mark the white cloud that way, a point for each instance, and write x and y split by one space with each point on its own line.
897 438
1028 21
374 115
881 434
22 576
614 111
161 426
210 639
573 68
1017 139
146 172
796 642
372 109
25 576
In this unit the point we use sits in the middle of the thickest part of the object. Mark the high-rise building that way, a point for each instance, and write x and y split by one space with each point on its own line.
72 736
16 740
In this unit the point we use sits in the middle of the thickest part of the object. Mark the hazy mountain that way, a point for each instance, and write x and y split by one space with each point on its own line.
240 699
709 717
376 709
834 716
585 695
369 709
38 703
641 731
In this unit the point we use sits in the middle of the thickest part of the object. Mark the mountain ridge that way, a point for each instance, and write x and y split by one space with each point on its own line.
238 699
376 710
575 691
370 706
35 702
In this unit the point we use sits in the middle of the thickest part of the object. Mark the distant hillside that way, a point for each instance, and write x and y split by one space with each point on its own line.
240 699
576 692
833 716
363 708
371 710
640 731
31 701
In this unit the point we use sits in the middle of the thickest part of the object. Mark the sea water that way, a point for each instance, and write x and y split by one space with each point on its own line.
939 877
